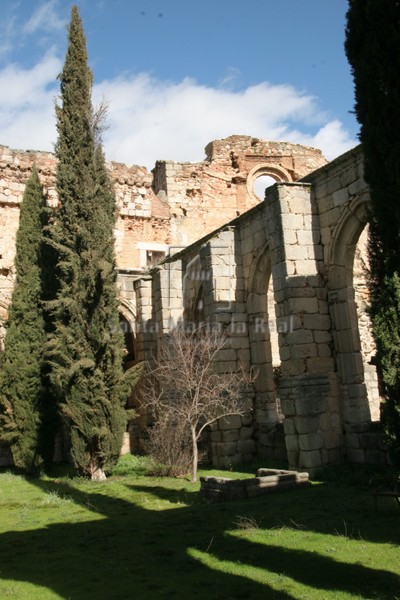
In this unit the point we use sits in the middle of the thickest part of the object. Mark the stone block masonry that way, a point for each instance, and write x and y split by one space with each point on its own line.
283 277
170 207
267 481
174 204
136 203
278 280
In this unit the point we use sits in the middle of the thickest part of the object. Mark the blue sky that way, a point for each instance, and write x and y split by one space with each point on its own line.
177 74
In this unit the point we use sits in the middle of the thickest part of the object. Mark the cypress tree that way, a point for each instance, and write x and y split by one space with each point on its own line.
85 350
373 50
22 396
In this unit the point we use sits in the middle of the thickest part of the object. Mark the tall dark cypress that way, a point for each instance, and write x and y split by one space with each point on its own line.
373 51
23 399
86 350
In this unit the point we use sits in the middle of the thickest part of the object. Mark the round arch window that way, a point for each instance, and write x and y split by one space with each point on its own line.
261 183
263 176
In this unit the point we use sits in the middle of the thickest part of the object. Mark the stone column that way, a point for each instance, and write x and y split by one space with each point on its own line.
167 297
145 323
231 438
308 388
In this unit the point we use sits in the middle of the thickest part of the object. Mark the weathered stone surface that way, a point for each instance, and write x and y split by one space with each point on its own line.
292 442
246 447
232 422
311 460
246 433
222 489
311 441
231 435
283 278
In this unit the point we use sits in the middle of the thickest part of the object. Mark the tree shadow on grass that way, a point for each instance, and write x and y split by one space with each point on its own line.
314 510
123 550
323 508
129 552
314 570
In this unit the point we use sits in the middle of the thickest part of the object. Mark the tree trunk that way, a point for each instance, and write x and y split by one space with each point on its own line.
195 455
96 471
99 475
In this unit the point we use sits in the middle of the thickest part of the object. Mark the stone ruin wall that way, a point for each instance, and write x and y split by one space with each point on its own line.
203 196
174 205
141 215
307 237
135 198
342 199
178 203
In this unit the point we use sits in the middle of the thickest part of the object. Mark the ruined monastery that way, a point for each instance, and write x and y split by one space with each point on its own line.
282 273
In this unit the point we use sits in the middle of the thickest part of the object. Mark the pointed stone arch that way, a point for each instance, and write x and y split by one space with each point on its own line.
127 322
262 327
351 367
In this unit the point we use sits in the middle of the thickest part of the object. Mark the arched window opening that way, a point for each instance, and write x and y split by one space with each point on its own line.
274 343
198 311
129 338
367 341
261 183
265 357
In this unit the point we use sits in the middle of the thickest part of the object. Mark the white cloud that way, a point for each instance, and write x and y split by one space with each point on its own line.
151 119
27 104
45 18
7 33
334 138
20 87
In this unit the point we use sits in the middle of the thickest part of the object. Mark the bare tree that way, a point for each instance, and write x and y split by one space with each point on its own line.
169 445
185 389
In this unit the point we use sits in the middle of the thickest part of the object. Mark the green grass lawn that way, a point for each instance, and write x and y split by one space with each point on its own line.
136 537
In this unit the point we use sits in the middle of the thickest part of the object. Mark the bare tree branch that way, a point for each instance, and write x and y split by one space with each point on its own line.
184 388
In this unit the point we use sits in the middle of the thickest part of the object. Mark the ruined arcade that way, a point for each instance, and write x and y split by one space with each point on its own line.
283 276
